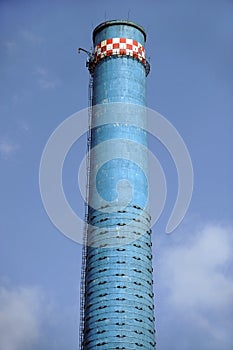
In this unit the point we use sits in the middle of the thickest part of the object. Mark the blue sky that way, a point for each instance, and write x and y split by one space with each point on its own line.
43 81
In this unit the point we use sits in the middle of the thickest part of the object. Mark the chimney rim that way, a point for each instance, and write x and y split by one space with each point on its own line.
117 22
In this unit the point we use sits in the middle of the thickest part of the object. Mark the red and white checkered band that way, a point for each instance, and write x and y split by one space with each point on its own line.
120 47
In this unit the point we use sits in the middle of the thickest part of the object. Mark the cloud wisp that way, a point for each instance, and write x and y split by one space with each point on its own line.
195 290
31 37
10 45
19 318
45 81
7 148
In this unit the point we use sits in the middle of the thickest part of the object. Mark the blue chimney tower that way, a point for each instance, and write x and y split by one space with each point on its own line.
118 303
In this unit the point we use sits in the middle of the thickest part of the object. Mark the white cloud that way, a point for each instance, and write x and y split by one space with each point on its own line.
196 271
33 318
19 318
195 287
7 148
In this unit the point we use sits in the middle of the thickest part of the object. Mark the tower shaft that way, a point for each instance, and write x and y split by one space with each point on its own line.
119 305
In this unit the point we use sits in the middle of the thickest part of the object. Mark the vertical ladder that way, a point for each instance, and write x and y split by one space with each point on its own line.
85 229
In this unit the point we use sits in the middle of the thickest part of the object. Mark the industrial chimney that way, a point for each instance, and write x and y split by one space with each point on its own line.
117 309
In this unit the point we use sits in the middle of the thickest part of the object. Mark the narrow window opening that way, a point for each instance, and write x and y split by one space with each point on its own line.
138 283
120 311
102 282
102 270
102 220
139 271
136 258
